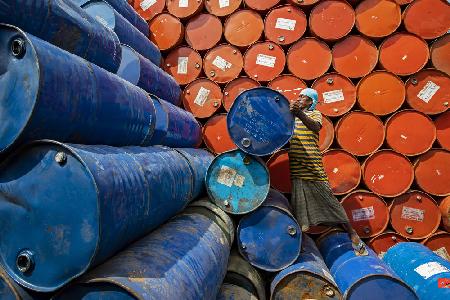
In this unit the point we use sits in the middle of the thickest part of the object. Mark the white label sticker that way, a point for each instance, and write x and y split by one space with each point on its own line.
229 176
285 24
202 96
266 60
224 3
183 3
414 214
146 4
221 63
239 180
333 96
365 213
428 91
182 65
442 252
102 21
430 269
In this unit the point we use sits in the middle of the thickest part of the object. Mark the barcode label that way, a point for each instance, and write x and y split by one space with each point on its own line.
333 96
183 3
224 3
365 213
202 96
182 65
266 60
414 214
146 4
428 91
221 63
285 24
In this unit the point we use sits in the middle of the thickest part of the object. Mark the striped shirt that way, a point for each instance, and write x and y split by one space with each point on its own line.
305 158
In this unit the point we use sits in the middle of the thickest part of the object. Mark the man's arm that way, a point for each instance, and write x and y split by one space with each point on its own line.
310 123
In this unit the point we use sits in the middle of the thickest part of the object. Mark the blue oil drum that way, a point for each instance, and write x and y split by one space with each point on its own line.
185 258
426 272
140 71
307 278
260 122
65 208
360 277
127 33
269 238
67 26
237 182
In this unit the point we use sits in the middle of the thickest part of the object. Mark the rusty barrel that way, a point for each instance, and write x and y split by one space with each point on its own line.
440 54
382 242
360 133
184 9
439 243
234 88
223 63
191 250
148 9
444 207
202 98
184 64
367 212
442 124
285 25
234 292
270 238
410 132
377 19
288 85
222 8
343 171
243 28
112 197
203 32
415 215
263 61
279 170
307 278
432 172
387 173
166 31
216 136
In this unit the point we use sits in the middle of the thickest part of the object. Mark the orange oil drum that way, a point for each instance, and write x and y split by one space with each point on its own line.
285 25
261 5
309 58
444 207
387 173
439 243
184 64
382 242
410 132
428 19
360 133
234 88
378 18
428 91
343 171
243 28
367 212
202 98
440 54
403 2
280 174
326 134
184 9
354 56
415 215
404 53
331 20
166 31
216 136
442 124
203 32
337 94
223 63
288 85
264 61
148 9
381 93
222 8
432 171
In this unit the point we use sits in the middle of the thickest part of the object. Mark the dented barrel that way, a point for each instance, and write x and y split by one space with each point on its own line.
65 208
184 259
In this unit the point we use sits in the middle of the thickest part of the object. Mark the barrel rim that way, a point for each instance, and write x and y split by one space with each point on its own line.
204 127
240 11
182 27
282 6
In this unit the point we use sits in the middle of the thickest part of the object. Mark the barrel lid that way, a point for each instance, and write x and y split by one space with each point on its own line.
415 215
222 8
388 173
260 122
130 66
203 32
442 124
216 136
184 64
236 182
264 61
223 63
166 31
234 88
439 243
285 25
376 19
367 212
202 97
102 12
440 54
382 242
279 170
288 85
343 171
360 133
432 171
148 9
261 5
184 9
243 28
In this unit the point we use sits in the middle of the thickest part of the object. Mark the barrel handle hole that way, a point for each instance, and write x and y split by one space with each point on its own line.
24 261
18 47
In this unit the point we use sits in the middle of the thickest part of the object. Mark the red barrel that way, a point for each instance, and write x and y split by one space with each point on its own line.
261 5
360 133
331 19
234 88
243 28
309 58
382 242
288 85
326 134
223 63
427 18
166 31
337 94
439 243
381 93
303 2
216 136
367 212
432 171
280 173
343 171
415 215
264 61
184 64
285 25
222 8
444 207
440 54
203 32
378 18
404 53
428 91
184 9
202 98
354 56
388 173
442 124
147 9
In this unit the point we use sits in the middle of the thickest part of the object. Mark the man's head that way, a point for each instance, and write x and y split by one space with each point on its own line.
308 99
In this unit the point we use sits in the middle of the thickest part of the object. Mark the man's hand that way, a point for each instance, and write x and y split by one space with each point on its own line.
295 108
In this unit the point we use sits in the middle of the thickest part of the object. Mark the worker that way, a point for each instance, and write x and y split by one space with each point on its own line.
312 199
